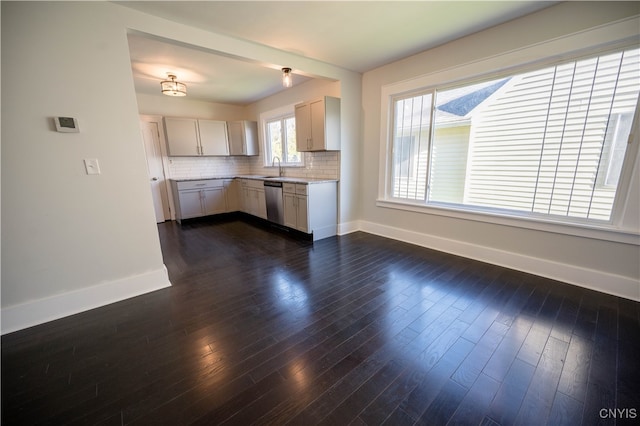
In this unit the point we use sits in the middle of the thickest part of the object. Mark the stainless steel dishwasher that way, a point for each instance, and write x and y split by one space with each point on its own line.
273 196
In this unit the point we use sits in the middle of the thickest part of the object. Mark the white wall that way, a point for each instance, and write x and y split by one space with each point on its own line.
195 167
169 106
317 164
71 241
350 89
593 262
324 165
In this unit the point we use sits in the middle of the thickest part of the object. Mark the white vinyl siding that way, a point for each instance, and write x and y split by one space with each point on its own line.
550 142
537 148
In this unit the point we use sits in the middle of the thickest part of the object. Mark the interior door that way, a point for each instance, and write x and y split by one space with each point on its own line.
157 180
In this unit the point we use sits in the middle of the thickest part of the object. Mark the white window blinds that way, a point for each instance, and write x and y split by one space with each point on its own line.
546 142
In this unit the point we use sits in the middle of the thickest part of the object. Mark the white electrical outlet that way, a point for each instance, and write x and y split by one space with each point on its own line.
92 166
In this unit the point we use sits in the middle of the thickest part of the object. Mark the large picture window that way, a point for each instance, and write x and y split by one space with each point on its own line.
548 142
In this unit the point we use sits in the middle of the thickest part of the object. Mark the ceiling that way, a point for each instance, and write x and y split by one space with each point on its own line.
355 35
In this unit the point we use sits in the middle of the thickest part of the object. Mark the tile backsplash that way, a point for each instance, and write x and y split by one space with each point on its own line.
202 167
324 165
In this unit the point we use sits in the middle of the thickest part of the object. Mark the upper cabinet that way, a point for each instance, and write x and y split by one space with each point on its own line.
191 137
243 137
318 125
213 137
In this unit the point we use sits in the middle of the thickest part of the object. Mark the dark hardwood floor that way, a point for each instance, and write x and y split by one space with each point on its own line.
261 327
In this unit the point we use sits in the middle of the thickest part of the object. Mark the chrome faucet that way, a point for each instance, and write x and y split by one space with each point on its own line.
273 160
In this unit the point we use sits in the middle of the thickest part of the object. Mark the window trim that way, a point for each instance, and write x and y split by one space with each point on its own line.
521 60
269 116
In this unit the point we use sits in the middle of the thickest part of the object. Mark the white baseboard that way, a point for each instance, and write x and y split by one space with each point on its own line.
348 227
604 282
36 312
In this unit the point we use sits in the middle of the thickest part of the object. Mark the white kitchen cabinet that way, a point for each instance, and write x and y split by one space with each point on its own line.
198 198
232 195
311 208
213 137
318 125
243 137
253 198
182 136
213 201
295 206
191 137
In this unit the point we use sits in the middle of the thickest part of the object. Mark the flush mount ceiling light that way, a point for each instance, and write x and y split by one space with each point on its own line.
172 87
287 79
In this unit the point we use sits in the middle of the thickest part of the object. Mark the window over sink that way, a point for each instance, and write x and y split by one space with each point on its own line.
280 136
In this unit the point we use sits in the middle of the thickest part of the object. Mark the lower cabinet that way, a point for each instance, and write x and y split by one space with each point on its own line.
253 199
198 198
232 195
308 207
311 208
295 207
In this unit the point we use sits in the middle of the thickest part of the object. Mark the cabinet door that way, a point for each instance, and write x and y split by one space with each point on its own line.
232 195
261 204
251 138
290 210
182 136
246 199
213 137
317 125
190 204
303 127
213 201
303 214
236 138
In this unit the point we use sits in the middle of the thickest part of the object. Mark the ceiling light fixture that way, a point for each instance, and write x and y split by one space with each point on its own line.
287 79
172 87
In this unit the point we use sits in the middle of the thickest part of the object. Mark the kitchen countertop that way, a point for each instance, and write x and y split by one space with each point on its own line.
284 179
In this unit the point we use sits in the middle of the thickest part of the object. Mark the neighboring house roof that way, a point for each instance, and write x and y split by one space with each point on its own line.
454 106
466 101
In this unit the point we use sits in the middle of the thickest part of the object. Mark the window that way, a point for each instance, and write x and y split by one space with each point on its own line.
281 141
545 143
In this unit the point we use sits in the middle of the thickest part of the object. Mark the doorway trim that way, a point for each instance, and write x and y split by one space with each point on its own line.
157 119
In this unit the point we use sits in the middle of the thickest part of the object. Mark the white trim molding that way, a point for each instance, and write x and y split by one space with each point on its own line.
604 282
36 312
349 227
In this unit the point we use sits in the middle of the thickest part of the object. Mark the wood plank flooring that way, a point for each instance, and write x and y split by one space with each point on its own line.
261 327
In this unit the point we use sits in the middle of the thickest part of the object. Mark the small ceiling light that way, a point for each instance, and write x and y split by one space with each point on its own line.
287 79
172 87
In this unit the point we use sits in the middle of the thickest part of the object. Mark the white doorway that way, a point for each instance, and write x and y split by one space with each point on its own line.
155 166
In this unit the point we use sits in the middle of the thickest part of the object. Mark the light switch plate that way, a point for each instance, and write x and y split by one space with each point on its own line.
92 166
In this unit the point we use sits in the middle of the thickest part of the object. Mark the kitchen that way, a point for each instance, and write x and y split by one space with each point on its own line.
177 128
75 240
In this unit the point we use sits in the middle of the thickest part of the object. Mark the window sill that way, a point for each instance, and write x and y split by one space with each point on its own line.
600 232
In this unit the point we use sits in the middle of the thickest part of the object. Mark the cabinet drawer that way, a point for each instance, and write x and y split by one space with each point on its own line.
257 184
289 188
199 184
301 189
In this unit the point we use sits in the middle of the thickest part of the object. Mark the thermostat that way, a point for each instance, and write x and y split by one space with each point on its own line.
66 124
